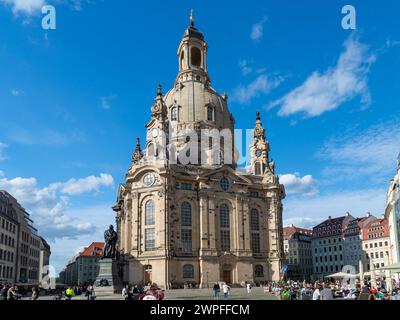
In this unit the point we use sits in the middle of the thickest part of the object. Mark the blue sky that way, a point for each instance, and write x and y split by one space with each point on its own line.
74 99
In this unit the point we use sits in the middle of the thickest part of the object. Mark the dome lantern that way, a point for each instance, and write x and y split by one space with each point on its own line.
192 55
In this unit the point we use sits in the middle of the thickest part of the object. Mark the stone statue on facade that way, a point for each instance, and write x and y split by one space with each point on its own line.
110 243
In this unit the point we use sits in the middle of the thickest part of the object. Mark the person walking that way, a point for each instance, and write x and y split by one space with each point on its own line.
89 292
248 287
125 293
226 289
216 291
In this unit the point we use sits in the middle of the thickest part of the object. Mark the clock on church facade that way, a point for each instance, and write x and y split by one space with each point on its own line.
205 221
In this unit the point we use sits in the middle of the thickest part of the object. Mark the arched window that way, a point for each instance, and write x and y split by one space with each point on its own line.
195 57
257 168
210 113
188 271
225 235
149 214
224 216
254 220
186 214
152 150
174 114
182 59
259 271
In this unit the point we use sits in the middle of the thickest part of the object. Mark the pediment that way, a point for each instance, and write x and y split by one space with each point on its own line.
230 173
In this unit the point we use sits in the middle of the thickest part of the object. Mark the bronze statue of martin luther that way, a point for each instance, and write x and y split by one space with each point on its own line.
110 243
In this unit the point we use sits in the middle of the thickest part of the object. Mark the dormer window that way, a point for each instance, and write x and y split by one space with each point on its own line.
174 114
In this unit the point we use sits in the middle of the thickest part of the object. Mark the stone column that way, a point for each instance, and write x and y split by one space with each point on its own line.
204 232
135 225
212 232
246 224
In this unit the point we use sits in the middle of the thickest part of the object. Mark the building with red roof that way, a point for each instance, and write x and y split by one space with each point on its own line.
297 249
84 267
376 243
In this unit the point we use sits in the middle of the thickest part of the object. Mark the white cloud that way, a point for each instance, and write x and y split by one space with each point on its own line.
322 92
49 205
2 147
316 209
303 222
75 187
295 184
370 154
261 85
257 30
64 249
27 7
1 173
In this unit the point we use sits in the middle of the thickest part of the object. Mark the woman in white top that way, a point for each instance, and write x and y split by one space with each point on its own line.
317 293
225 289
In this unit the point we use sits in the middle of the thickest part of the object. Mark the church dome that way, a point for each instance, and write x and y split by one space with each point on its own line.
194 102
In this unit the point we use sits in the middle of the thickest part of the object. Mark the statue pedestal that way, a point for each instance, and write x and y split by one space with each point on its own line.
108 271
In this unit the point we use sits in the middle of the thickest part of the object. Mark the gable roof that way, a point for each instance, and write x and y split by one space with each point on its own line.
95 249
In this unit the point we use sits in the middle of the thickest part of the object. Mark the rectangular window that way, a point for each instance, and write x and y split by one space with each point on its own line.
186 240
225 240
186 186
255 243
149 239
254 194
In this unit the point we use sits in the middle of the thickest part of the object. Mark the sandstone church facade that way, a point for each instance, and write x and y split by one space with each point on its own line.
198 222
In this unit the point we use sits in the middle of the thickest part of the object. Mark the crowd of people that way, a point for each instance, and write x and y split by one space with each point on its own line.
12 292
285 290
139 292
330 290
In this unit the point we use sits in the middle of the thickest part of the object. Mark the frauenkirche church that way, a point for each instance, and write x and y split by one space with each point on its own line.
205 221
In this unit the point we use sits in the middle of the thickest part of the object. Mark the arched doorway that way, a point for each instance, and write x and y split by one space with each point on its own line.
227 273
148 274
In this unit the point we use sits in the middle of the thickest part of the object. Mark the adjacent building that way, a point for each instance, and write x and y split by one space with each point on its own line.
87 263
328 245
345 244
392 214
83 268
9 239
70 273
376 244
190 215
20 243
298 253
